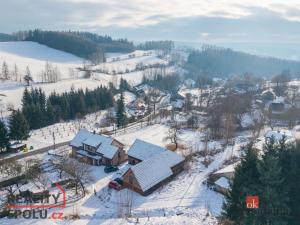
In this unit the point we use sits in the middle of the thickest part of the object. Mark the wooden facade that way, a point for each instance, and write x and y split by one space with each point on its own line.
90 155
132 183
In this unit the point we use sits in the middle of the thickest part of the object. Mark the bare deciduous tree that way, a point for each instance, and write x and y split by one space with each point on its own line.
173 134
79 172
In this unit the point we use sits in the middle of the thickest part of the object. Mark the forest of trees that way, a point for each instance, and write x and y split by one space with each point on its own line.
274 178
221 62
166 46
169 83
7 37
40 111
82 44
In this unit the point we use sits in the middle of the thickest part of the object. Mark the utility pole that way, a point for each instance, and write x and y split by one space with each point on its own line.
53 140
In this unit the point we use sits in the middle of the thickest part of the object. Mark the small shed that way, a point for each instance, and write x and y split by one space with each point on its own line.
222 185
17 147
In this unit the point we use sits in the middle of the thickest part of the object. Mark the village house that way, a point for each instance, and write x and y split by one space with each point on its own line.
177 101
222 185
277 106
151 167
142 150
97 149
221 178
279 135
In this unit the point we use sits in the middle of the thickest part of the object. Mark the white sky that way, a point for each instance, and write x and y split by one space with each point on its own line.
183 20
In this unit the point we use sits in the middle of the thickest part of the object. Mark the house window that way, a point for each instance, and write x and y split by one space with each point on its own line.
119 154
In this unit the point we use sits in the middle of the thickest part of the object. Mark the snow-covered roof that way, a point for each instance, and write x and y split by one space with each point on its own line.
279 99
79 138
278 135
228 169
155 169
223 182
103 143
107 150
178 103
92 140
189 82
143 150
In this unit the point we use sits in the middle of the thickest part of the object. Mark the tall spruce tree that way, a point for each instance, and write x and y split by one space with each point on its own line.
245 183
291 171
18 126
4 138
273 194
121 112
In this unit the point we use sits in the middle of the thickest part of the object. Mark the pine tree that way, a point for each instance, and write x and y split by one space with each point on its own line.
4 138
245 183
26 99
121 112
291 171
18 126
50 113
16 72
273 195
28 77
5 71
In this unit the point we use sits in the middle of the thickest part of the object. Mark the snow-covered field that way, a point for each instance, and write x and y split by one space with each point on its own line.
14 90
35 56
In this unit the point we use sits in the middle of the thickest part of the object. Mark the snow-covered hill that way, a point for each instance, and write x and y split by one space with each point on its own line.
35 56
128 63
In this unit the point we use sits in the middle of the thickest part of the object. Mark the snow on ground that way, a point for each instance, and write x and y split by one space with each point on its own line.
133 78
64 131
184 200
154 134
14 90
128 97
128 65
34 55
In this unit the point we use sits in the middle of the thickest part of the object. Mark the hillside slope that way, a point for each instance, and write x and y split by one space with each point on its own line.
214 61
35 56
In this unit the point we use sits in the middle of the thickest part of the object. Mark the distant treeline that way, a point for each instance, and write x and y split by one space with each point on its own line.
82 44
215 61
150 45
40 111
7 37
167 83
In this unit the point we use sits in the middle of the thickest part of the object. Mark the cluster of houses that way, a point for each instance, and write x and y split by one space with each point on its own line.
149 166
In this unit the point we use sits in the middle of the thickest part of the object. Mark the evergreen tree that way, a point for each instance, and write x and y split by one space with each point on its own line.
245 183
18 126
291 171
124 86
5 71
26 99
50 113
273 194
4 138
28 77
121 111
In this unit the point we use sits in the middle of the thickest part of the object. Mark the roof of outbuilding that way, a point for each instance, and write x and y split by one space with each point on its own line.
223 182
155 169
143 150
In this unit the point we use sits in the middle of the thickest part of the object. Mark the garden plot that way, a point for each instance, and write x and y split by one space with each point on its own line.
65 131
